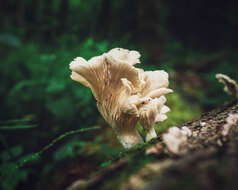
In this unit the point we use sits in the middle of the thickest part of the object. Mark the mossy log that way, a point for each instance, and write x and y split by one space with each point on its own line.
209 160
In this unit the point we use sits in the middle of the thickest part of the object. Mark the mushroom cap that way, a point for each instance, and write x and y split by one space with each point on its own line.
102 74
123 93
119 55
231 87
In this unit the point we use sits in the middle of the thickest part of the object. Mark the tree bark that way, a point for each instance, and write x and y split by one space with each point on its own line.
47 20
63 15
211 159
150 27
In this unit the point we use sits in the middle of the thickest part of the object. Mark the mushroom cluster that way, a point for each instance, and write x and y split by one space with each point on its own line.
125 95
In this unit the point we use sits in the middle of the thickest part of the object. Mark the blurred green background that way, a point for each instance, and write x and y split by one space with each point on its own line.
191 40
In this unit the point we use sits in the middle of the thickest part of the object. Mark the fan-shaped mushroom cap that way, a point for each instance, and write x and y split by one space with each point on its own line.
119 55
124 94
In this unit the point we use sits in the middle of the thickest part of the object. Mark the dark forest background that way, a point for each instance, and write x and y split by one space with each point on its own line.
191 40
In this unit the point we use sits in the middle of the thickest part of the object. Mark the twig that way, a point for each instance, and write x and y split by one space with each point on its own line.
36 156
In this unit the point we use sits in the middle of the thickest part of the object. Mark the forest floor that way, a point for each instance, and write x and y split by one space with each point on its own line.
207 160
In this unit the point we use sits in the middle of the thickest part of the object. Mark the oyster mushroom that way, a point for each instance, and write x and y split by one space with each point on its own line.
125 95
231 87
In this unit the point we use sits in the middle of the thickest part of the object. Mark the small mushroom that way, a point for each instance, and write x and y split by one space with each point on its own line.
231 87
175 138
125 95
231 120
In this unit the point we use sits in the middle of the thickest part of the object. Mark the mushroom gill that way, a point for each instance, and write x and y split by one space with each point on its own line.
125 95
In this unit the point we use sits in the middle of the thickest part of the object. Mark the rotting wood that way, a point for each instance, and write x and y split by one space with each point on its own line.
210 160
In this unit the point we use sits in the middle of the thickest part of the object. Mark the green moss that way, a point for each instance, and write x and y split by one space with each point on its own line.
136 162
181 111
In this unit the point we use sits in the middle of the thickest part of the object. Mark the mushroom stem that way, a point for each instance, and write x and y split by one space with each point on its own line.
150 134
130 138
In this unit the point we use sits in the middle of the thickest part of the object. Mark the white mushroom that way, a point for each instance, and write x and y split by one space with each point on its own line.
231 120
231 87
125 95
175 138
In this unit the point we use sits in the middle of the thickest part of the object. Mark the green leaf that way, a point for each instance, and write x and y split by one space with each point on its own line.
26 119
17 127
11 175
17 150
106 163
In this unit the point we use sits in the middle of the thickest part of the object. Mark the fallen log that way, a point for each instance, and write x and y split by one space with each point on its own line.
208 160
